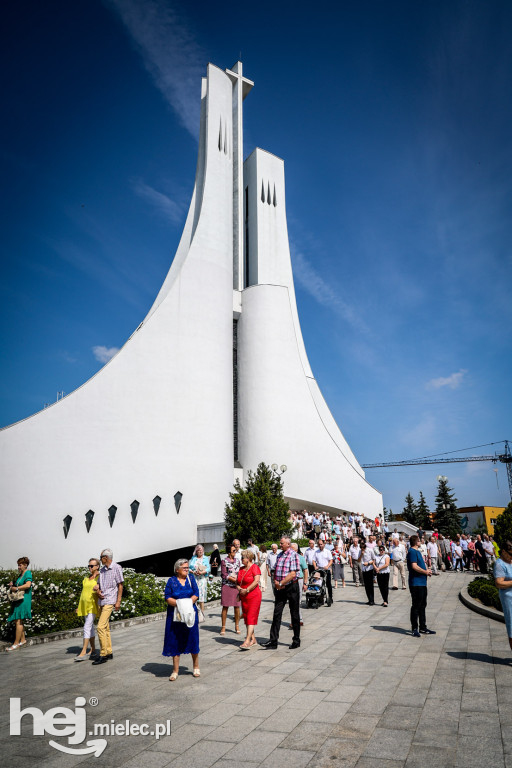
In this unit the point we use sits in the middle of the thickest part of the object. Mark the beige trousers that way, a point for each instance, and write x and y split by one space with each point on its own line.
103 630
398 567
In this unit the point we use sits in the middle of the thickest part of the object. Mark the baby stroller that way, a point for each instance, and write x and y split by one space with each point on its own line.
316 593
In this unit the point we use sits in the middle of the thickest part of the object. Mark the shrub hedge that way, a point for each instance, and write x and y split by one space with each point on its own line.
484 589
55 596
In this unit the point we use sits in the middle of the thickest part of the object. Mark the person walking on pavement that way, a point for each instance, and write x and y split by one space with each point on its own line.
418 573
286 590
367 559
354 553
398 556
323 560
309 554
303 580
110 591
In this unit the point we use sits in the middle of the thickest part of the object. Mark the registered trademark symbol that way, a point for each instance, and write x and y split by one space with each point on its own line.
93 701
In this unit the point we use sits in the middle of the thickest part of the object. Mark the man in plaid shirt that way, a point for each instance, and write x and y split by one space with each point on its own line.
286 590
110 591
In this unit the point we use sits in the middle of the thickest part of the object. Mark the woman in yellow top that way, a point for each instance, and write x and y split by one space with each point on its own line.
88 606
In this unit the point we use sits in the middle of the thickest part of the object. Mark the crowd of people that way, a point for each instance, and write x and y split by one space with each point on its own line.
374 554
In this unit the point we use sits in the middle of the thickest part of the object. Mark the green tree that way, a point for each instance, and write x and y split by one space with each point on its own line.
258 511
503 527
447 517
423 518
391 517
409 511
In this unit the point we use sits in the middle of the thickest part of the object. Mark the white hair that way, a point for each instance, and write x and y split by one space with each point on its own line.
108 553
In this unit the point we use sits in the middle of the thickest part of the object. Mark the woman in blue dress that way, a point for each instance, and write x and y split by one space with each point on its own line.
22 609
179 638
503 579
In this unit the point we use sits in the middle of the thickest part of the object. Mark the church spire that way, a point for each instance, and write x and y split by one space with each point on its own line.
241 87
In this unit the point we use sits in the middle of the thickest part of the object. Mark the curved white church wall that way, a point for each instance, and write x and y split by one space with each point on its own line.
279 416
282 414
146 424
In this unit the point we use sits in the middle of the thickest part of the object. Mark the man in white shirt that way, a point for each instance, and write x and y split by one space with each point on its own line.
433 554
398 558
238 551
323 560
309 554
488 548
353 557
254 549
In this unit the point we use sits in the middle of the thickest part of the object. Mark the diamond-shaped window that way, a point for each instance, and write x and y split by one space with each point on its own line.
134 506
112 515
89 517
177 500
67 525
156 504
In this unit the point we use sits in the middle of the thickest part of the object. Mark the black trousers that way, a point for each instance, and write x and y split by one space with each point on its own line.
368 585
383 582
289 594
419 604
328 584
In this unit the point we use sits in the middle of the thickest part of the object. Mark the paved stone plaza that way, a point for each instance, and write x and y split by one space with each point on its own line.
359 692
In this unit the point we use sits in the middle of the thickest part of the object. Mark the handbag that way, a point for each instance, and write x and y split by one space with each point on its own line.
200 615
14 597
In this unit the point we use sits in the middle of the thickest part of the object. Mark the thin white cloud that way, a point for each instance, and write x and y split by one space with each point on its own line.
309 279
167 208
170 54
422 435
452 382
104 354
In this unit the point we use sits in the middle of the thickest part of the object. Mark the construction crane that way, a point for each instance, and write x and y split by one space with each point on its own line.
504 458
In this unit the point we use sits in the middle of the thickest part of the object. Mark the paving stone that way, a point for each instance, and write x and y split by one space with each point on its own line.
403 718
204 753
345 693
280 757
376 762
308 738
331 712
234 729
390 744
434 756
255 744
283 720
486 724
355 726
343 753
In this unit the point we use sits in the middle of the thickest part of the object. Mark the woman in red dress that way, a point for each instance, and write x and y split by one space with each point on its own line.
250 595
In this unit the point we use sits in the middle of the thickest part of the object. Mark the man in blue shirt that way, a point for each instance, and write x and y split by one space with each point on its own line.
418 573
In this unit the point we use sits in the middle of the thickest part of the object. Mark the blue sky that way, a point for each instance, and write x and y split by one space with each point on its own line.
394 121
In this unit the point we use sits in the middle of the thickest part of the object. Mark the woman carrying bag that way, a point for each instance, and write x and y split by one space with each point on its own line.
179 636
20 596
200 567
381 566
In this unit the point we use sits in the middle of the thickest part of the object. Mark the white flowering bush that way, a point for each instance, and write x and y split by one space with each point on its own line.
213 590
56 593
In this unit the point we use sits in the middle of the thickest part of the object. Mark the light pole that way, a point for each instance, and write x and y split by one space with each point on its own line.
278 471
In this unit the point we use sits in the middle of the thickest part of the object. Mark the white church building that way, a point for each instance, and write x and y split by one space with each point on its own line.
215 379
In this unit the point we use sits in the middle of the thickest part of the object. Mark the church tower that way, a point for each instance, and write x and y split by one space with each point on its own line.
214 380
